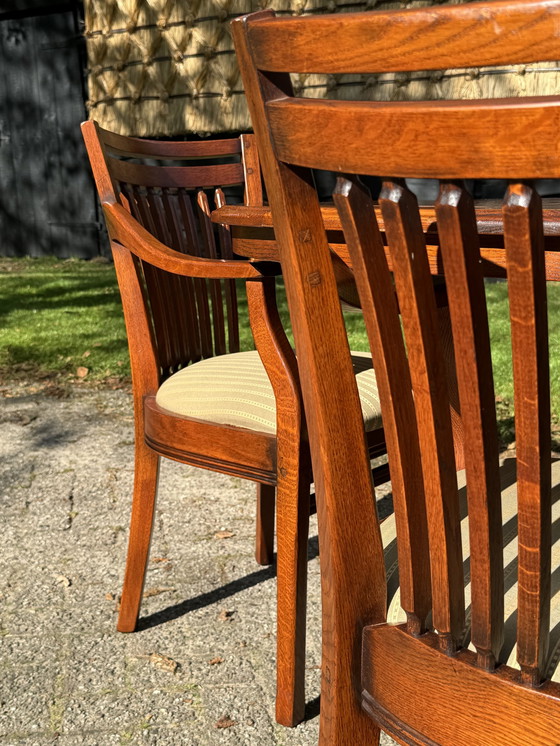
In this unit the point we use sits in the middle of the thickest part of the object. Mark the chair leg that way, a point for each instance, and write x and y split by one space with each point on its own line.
352 729
266 499
146 470
292 530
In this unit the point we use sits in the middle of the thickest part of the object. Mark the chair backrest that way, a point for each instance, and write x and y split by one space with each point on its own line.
170 188
517 140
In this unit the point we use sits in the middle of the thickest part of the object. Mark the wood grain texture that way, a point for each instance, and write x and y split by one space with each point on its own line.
175 150
130 233
292 498
393 381
499 710
529 340
177 176
420 687
342 484
429 38
488 213
504 130
253 236
266 509
230 289
431 406
241 452
252 166
467 306
177 273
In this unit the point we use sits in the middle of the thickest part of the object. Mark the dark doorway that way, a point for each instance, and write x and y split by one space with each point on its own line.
47 198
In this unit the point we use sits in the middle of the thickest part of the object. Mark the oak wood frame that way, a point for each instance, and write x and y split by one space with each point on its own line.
279 464
236 451
474 140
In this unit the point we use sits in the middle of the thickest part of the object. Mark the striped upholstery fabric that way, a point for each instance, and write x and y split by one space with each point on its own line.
395 614
234 390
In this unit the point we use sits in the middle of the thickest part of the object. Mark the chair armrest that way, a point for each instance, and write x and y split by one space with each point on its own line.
128 232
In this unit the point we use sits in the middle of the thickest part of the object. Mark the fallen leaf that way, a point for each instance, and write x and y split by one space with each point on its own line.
63 581
156 591
224 722
163 662
223 534
225 616
215 661
109 596
87 353
81 371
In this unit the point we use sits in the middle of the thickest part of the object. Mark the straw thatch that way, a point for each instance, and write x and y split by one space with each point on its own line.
162 67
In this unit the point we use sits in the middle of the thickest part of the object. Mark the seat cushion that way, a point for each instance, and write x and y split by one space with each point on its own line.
234 390
395 614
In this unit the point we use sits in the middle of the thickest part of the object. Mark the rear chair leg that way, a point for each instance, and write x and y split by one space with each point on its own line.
266 499
292 530
146 470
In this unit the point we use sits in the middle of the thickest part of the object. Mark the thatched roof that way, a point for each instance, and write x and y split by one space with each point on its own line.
162 67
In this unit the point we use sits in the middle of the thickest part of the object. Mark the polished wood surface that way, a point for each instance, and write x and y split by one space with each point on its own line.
253 235
176 276
458 230
432 38
418 685
393 380
529 341
353 580
177 272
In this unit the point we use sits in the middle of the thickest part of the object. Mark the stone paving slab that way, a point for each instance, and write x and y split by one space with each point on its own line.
67 677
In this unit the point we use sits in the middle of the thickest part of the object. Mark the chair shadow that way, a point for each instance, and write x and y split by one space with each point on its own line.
217 594
312 709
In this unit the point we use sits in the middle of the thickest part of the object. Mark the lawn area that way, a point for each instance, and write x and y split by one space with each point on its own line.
62 320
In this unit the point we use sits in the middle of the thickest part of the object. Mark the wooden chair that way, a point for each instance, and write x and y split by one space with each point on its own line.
197 399
419 680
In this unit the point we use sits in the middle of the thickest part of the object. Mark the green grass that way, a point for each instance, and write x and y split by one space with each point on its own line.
57 316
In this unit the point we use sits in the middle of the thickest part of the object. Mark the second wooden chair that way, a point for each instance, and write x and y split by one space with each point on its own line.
197 398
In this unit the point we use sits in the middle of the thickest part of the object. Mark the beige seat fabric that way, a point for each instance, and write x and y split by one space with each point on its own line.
396 615
234 390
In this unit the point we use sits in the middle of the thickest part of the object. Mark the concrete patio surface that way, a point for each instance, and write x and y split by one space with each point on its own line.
200 671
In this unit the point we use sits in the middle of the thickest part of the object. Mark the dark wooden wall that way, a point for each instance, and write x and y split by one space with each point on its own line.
47 198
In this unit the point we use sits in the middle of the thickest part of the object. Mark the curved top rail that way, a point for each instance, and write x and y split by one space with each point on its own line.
470 35
137 147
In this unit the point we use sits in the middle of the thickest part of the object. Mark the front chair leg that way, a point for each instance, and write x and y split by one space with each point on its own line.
266 499
146 470
292 529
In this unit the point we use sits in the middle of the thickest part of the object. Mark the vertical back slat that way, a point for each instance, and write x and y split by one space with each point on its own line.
523 237
189 315
431 399
190 337
200 288
252 171
230 291
140 211
209 241
467 305
379 305
171 285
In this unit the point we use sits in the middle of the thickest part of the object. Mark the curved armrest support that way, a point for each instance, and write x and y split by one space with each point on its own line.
128 232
